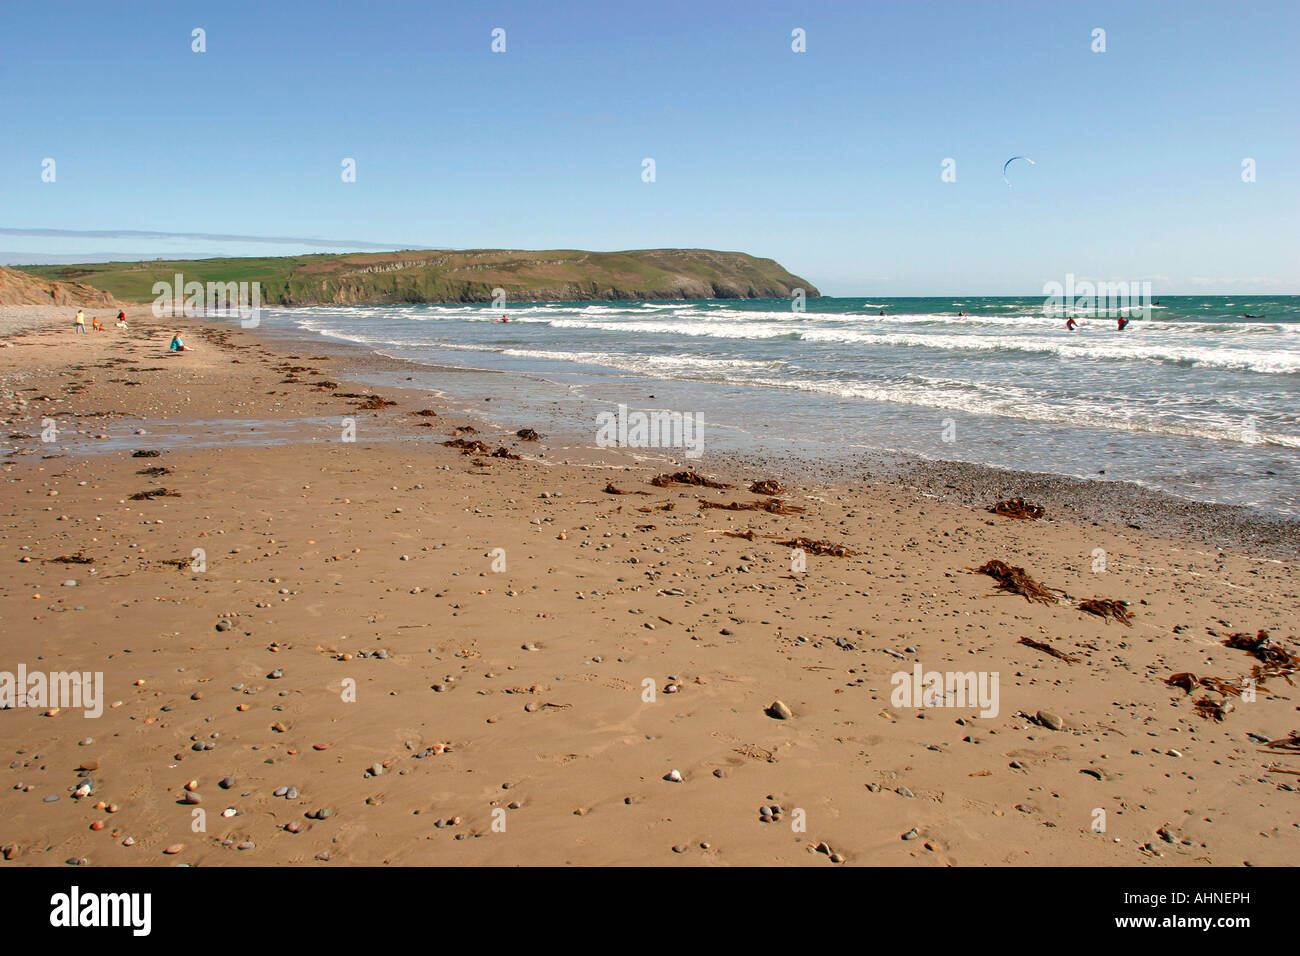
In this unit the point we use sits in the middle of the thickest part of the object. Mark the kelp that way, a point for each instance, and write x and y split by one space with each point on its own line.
1049 649
686 478
772 506
1017 508
155 493
767 486
1014 580
468 447
610 489
1108 610
78 558
819 547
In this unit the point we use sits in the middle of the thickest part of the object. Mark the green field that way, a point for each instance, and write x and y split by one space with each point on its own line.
385 278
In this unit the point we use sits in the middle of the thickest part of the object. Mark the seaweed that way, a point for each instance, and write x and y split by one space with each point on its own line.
527 434
503 452
1015 581
1277 661
78 558
819 547
1048 649
611 490
154 493
1107 610
768 486
772 506
468 447
686 478
1017 508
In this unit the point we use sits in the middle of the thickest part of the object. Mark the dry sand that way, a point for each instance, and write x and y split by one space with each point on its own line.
504 719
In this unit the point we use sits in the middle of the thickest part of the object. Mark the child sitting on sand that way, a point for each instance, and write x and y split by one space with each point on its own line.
95 324
177 345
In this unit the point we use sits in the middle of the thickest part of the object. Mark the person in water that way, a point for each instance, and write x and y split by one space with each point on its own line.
177 345
1121 322
1070 324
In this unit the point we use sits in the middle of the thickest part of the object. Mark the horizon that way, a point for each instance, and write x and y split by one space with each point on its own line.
830 160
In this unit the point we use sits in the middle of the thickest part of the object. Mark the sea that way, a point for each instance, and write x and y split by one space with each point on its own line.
1199 396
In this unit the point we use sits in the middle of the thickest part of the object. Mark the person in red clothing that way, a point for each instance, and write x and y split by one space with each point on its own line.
1122 322
1070 324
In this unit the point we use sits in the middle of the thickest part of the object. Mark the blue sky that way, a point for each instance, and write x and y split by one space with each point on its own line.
828 161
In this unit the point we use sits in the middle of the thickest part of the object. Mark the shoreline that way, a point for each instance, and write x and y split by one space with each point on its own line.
1085 500
498 619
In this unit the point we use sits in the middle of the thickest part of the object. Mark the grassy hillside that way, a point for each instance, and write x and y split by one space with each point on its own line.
379 278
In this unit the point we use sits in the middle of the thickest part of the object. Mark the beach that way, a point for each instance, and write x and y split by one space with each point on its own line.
346 643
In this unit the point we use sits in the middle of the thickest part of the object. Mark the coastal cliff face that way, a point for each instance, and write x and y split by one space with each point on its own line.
19 288
415 276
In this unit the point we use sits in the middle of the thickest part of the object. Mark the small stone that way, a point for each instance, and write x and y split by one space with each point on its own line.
779 710
911 834
1050 720
673 776
192 798
225 783
174 849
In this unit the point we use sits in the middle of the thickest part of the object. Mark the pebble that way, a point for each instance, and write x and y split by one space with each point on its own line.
1050 720
780 710
673 776
911 834
174 849
225 783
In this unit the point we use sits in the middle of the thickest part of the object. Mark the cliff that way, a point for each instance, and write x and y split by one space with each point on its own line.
19 288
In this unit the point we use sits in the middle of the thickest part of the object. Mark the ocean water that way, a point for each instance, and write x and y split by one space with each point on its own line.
1201 399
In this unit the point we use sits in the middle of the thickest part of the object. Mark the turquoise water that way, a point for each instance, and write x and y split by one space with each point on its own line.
1201 398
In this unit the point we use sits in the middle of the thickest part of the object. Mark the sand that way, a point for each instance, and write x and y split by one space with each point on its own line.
467 660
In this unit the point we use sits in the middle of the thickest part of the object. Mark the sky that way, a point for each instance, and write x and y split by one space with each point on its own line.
829 161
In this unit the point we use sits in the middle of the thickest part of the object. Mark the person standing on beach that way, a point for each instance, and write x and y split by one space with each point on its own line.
79 323
1070 324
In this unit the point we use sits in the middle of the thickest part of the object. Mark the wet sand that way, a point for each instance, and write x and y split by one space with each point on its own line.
467 659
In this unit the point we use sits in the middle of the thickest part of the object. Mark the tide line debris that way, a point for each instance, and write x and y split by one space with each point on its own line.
686 478
1049 649
1106 610
1018 508
155 493
772 506
1015 581
767 486
819 547
611 490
